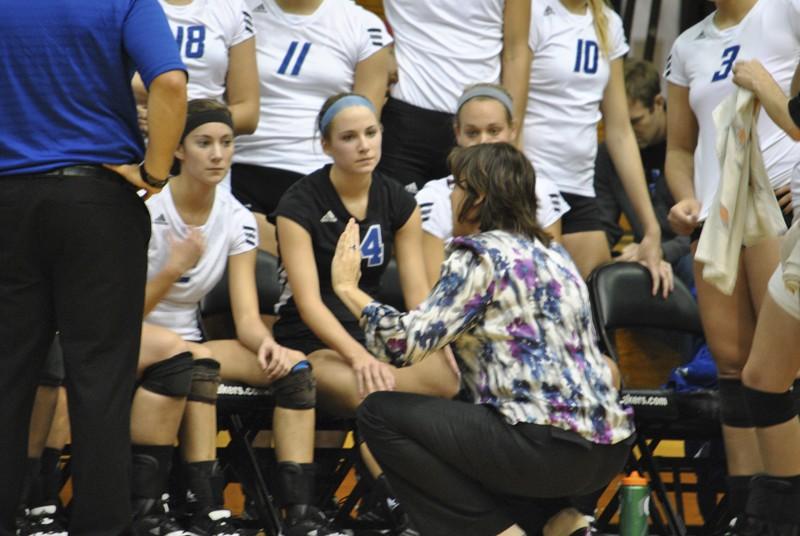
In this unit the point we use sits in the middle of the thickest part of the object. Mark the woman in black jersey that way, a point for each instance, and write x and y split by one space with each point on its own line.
309 219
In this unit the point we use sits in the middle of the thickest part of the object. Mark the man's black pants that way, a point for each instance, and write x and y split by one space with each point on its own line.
73 258
460 468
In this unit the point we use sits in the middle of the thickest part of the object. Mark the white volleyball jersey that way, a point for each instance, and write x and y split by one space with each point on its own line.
230 230
702 59
444 46
303 60
205 31
568 77
437 213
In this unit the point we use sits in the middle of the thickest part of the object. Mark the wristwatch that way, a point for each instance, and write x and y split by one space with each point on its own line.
150 180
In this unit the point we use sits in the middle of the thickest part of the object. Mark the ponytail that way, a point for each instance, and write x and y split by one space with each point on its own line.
598 8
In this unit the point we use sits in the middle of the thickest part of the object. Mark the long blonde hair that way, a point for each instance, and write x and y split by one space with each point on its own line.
600 24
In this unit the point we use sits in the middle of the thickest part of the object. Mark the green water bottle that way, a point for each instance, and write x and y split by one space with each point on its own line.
635 506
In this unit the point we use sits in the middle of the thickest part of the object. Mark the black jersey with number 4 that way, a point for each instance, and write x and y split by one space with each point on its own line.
313 204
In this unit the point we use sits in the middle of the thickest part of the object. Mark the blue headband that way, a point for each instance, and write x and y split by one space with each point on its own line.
341 104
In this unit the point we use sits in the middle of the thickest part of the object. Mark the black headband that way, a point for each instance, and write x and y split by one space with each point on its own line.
196 119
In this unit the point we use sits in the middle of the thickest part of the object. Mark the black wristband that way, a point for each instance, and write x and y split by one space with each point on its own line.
794 109
150 180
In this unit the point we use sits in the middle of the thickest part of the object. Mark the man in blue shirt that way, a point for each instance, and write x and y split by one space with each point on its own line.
74 232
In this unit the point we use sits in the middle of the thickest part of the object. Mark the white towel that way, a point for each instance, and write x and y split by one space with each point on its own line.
744 210
790 258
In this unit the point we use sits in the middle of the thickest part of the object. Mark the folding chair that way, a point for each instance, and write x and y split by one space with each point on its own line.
621 298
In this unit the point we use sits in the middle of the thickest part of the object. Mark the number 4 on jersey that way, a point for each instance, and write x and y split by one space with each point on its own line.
372 246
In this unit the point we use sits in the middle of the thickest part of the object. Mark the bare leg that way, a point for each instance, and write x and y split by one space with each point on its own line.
729 324
44 408
588 250
337 390
266 234
555 231
773 364
293 429
59 431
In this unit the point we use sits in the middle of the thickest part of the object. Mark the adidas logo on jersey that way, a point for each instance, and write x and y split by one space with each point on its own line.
161 220
549 11
701 35
329 217
412 188
260 8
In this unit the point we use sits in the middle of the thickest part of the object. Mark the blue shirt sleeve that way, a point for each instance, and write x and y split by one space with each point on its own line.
148 40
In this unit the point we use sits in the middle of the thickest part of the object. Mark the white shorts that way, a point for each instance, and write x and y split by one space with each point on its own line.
789 302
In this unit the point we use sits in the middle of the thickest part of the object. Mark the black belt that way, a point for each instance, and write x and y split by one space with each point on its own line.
85 170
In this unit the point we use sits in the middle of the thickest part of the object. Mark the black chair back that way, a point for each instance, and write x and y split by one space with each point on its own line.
621 298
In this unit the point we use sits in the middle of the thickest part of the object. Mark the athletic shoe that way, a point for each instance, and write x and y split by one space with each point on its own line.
310 521
42 521
217 523
158 521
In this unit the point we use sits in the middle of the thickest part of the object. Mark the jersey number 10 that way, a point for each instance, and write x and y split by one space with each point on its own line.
586 57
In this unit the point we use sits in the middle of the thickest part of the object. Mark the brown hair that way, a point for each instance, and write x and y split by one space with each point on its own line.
330 101
600 24
642 82
500 183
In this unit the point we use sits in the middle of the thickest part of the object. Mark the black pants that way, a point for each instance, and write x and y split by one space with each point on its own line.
73 258
416 143
459 468
261 188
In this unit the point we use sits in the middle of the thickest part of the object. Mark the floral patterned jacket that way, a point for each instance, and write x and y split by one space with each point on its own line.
518 318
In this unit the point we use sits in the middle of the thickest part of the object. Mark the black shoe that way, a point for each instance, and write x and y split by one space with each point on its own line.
304 520
157 521
217 523
42 521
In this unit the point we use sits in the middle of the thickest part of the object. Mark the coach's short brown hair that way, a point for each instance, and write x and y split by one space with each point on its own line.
642 81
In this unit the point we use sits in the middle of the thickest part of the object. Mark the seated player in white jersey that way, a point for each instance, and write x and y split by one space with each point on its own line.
312 49
441 48
576 80
309 219
700 72
217 43
484 114
198 230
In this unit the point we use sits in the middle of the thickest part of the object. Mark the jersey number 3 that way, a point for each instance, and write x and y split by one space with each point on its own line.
728 57
586 57
372 246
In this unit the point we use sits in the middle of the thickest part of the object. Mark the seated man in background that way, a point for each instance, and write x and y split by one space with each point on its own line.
647 109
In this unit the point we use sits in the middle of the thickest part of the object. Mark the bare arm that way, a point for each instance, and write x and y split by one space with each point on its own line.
372 78
624 152
166 104
516 57
250 330
298 257
241 87
410 264
183 255
433 251
753 76
682 132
